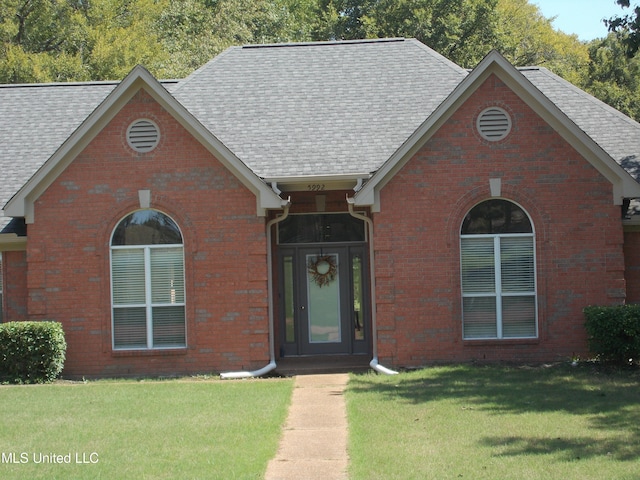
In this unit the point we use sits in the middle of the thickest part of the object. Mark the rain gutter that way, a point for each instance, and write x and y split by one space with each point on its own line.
272 351
374 364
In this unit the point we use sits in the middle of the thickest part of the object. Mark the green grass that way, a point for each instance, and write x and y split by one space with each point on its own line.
496 423
144 429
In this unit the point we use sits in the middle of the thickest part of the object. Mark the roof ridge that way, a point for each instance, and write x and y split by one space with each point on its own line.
60 84
92 83
439 57
324 43
185 81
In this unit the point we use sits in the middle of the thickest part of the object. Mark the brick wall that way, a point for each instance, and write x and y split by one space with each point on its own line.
632 264
224 241
14 266
578 237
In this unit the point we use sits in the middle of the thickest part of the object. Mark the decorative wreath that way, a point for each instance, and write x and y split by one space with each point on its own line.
323 269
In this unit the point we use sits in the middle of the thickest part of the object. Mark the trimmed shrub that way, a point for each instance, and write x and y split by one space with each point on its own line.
614 332
31 352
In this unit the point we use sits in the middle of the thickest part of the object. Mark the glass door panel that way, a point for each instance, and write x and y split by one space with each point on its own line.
323 299
324 306
358 297
289 304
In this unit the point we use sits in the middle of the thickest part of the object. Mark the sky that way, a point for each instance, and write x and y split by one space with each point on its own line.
582 17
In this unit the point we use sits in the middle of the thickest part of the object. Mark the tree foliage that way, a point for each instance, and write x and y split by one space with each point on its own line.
627 28
526 38
63 40
461 30
195 31
612 76
40 40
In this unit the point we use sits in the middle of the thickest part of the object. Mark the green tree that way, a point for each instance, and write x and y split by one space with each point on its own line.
627 27
122 34
195 31
461 30
612 76
40 41
526 37
63 40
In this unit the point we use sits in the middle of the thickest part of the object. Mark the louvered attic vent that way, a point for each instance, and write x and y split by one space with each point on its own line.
494 124
143 135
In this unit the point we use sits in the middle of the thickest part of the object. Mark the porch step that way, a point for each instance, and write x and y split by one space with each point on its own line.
316 364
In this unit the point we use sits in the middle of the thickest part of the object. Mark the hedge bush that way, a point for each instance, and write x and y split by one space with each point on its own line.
614 332
31 352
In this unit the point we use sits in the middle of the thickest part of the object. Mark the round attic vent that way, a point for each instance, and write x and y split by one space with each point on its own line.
493 124
143 135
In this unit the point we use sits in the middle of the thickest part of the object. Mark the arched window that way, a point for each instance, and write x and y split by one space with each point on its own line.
497 251
147 282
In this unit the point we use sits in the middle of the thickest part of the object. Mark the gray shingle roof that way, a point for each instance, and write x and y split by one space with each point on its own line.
616 133
310 109
332 108
34 121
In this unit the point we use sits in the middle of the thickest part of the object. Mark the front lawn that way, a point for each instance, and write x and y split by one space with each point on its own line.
174 429
518 423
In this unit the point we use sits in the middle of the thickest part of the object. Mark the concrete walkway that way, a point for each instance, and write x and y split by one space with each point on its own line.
314 441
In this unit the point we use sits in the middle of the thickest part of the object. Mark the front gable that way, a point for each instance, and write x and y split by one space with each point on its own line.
494 65
22 203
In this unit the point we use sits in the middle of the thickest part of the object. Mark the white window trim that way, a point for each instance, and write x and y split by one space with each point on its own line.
498 294
148 305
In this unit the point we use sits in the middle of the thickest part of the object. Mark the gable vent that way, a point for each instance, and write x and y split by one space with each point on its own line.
493 124
143 135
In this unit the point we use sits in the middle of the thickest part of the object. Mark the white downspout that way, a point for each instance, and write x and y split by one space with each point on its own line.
272 349
374 334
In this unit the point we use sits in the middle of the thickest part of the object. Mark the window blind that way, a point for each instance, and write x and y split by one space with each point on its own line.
498 287
478 265
130 327
148 296
168 327
128 276
516 258
480 317
167 275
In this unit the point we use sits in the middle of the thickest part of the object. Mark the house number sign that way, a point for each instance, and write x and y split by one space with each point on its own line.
315 187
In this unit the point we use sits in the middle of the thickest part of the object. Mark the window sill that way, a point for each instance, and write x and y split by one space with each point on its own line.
152 352
500 342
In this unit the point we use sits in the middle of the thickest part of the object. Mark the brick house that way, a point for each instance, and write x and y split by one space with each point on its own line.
368 199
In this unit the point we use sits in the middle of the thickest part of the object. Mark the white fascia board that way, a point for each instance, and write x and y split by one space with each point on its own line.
21 205
319 178
624 186
318 183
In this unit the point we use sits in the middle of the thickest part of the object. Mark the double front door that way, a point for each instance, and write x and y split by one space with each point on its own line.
324 300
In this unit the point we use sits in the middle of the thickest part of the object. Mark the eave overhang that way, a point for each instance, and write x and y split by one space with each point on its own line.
318 183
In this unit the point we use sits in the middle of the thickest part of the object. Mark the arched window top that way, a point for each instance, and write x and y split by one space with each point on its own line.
496 217
146 227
